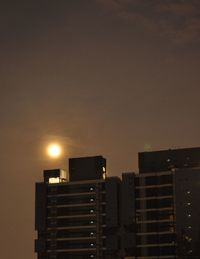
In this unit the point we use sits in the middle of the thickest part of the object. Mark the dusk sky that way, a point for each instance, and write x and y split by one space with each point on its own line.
101 77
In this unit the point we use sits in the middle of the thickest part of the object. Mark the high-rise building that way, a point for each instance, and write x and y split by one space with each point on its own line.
78 216
150 215
167 194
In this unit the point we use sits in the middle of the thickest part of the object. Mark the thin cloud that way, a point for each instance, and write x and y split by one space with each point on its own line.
109 5
178 21
189 33
180 9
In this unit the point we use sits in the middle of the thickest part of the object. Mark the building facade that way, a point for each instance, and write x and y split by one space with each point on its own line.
167 193
78 216
149 215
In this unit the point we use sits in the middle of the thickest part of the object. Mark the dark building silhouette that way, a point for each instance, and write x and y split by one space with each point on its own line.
150 215
79 216
167 192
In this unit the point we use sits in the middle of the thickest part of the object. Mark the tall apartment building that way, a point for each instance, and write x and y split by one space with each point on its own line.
78 216
150 215
167 194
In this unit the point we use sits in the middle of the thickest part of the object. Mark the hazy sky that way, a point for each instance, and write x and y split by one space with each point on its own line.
102 77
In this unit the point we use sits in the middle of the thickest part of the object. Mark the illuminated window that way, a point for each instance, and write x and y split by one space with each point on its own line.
104 172
189 239
54 180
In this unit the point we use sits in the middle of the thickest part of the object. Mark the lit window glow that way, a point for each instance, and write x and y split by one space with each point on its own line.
54 180
104 172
